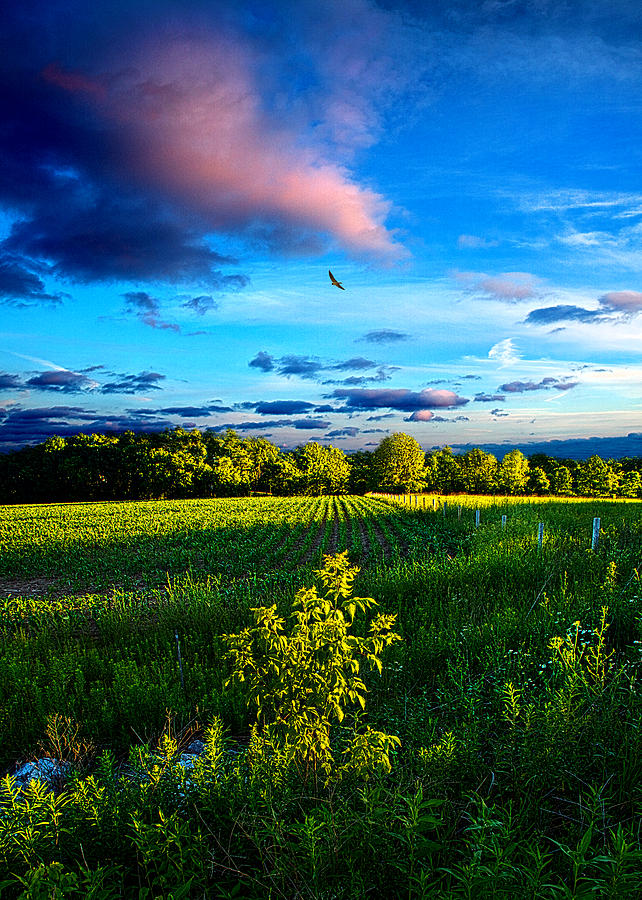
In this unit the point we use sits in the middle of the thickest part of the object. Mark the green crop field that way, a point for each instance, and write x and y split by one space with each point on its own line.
514 690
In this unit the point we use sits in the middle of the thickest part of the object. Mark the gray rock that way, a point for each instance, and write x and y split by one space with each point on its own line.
48 770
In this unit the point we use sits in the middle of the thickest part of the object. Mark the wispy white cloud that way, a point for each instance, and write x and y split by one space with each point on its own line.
504 352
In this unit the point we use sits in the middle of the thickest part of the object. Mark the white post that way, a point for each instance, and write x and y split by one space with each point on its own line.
540 534
503 521
596 533
434 503
459 512
476 518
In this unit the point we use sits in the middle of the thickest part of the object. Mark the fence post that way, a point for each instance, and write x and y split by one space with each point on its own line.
459 512
503 521
445 507
540 534
180 661
596 533
476 518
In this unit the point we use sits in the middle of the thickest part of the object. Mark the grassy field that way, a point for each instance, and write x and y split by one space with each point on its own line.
514 691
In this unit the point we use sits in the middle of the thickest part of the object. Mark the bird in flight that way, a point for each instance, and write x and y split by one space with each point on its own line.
334 281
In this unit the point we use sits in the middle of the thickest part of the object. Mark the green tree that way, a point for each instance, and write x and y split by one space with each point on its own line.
325 470
630 484
595 478
263 455
308 680
512 476
235 475
561 481
187 465
399 464
442 471
478 472
360 479
538 481
283 475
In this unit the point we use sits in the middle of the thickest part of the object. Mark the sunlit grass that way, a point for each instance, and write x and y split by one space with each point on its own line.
521 750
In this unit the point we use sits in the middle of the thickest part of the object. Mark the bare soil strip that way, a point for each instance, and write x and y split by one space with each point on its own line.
382 540
333 543
31 587
313 550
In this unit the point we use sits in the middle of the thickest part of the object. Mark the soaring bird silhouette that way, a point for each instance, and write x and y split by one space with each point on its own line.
334 281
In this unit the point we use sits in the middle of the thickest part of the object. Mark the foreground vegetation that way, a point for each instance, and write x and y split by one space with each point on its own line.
513 691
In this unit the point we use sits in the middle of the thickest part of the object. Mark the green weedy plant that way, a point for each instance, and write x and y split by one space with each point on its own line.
303 682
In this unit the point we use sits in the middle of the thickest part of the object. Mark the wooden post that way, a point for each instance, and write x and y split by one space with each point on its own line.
596 533
459 512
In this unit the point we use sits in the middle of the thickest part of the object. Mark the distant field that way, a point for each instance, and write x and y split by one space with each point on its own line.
93 596
95 546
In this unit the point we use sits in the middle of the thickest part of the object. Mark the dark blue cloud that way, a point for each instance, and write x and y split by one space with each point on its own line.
148 310
201 304
343 432
563 313
134 384
63 382
488 398
19 286
303 366
356 362
383 373
262 361
314 424
10 382
192 412
81 212
20 427
283 407
521 387
574 448
384 336
299 424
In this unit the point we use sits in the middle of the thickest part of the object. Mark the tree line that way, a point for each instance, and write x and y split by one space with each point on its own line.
178 464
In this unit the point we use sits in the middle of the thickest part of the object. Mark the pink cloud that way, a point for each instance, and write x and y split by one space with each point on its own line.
623 301
74 82
509 287
193 121
398 398
421 415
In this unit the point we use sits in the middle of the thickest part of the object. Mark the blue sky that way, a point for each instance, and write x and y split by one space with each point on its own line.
176 180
